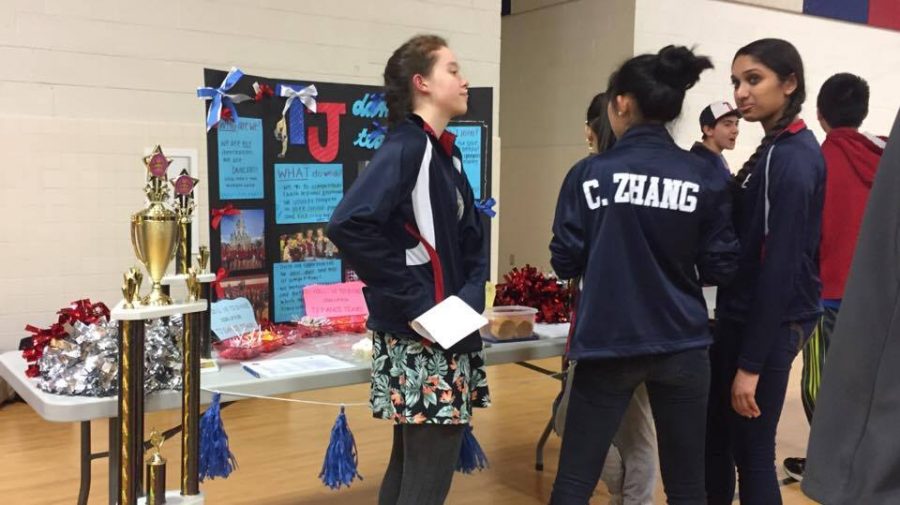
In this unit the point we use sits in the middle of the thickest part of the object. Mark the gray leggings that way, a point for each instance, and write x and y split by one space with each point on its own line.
422 463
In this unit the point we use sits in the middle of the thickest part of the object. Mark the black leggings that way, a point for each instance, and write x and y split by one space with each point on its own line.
422 463
678 386
748 444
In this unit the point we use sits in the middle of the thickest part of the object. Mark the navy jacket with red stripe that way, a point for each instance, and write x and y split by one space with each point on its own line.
778 219
646 224
414 180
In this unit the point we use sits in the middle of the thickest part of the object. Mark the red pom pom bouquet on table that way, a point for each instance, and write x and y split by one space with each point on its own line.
526 296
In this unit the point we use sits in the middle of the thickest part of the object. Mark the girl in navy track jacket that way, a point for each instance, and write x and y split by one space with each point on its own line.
766 314
409 228
638 222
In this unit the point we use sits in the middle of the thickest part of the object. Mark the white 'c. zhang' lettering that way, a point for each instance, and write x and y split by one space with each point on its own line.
593 202
643 190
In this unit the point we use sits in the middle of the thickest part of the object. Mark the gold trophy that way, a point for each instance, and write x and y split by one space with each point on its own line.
131 287
156 472
184 207
193 285
154 230
203 259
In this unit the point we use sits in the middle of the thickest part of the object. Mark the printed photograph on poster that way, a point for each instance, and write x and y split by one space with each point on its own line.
350 274
243 240
309 243
254 288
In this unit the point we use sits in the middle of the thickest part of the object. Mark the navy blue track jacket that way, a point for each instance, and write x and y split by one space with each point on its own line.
716 159
413 179
778 218
639 222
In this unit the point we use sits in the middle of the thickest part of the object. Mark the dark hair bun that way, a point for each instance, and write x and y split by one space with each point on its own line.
679 68
659 81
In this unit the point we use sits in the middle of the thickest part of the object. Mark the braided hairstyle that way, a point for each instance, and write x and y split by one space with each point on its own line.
782 58
415 56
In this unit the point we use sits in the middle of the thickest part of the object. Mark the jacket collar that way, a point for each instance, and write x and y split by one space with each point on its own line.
446 140
645 132
792 129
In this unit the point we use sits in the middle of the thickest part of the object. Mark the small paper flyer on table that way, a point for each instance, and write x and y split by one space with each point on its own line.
448 322
295 366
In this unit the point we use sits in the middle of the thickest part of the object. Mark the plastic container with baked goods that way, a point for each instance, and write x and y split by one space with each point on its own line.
510 323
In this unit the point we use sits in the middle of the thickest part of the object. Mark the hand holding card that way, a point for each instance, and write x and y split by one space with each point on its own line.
448 322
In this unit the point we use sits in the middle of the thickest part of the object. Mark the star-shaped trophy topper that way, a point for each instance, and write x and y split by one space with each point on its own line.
157 163
184 194
184 184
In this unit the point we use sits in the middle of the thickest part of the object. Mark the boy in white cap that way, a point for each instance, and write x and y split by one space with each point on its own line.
719 125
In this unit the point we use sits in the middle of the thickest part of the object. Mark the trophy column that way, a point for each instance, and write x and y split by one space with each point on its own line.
131 401
131 397
190 407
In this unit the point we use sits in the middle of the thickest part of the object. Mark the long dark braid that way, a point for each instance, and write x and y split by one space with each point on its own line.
791 111
783 59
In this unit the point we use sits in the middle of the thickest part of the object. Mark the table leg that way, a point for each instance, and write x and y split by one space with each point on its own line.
113 461
84 489
539 453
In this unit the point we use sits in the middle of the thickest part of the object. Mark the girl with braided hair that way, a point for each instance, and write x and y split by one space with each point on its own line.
765 315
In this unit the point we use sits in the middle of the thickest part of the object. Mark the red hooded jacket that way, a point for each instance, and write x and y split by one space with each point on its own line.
851 160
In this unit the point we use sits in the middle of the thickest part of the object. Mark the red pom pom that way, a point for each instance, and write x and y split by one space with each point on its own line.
529 287
78 311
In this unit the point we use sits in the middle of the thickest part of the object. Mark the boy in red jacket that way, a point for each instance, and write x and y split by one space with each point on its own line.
851 159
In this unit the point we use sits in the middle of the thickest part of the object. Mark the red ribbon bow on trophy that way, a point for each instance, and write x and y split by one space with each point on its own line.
221 275
218 214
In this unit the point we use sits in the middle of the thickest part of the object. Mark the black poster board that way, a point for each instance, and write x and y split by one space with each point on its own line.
274 246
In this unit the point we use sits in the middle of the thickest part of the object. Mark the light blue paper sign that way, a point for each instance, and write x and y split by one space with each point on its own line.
291 278
241 159
307 193
230 318
468 140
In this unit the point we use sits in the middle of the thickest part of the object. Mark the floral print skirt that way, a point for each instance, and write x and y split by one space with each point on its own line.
416 383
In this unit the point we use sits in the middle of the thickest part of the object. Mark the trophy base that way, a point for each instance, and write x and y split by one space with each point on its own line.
175 498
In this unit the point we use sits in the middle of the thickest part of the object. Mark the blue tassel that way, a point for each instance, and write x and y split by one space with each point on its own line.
216 459
471 456
341 459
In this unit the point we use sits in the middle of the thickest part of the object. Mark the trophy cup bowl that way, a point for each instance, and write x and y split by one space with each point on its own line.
154 235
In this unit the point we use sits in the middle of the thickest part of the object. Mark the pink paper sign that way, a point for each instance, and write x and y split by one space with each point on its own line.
335 300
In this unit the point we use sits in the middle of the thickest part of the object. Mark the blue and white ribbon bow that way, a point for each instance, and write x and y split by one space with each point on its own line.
294 114
221 99
306 95
486 207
